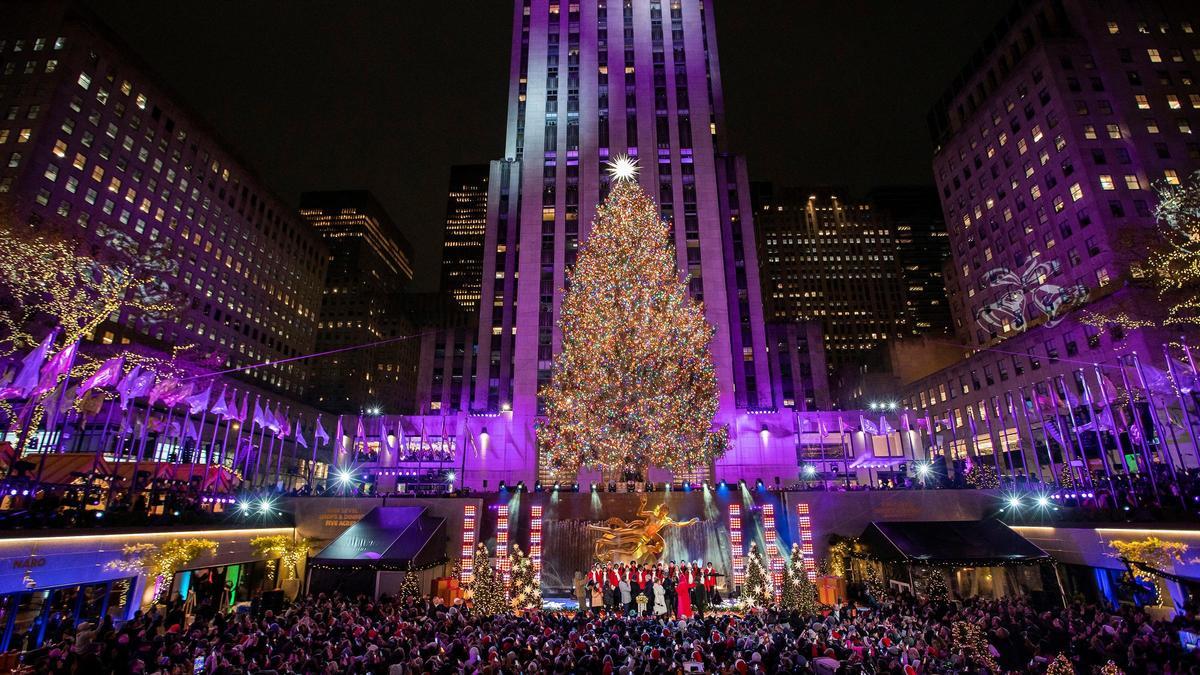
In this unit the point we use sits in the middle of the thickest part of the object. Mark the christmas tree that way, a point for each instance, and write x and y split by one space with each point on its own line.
634 384
798 592
1173 263
487 588
756 590
875 586
935 585
526 586
410 587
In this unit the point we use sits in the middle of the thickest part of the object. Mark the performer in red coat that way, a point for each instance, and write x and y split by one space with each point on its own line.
683 591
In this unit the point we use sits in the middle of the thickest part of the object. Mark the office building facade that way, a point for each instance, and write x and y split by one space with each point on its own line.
462 246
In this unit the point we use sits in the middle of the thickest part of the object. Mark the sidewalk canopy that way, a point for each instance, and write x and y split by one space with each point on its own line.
388 538
967 543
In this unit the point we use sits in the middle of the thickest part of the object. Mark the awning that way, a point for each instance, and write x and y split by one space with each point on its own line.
388 538
965 543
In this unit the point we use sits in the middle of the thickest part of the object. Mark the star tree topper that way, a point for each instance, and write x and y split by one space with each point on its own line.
623 167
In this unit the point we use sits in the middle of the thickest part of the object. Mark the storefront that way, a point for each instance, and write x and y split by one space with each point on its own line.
224 586
49 583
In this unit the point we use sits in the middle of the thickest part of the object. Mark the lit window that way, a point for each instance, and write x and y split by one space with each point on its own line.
1037 133
1114 130
1089 132
85 80
141 101
1155 57
1106 182
1113 28
1143 102
1076 192
1194 99
24 135
1102 277
1152 126
1172 176
60 148
1035 192
1131 182
1173 102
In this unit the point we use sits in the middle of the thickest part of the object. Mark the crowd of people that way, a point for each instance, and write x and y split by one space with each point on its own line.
675 587
332 634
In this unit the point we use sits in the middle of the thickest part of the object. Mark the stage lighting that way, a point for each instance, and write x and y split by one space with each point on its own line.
503 486
264 505
537 487
520 486
723 485
244 507
1014 502
759 484
809 470
556 487
593 487
450 477
575 487
1043 501
344 477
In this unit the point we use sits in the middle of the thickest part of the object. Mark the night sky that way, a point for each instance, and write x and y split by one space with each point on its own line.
387 95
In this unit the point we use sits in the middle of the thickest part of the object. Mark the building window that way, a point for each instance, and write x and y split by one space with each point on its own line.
1106 182
1171 175
1076 192
1131 182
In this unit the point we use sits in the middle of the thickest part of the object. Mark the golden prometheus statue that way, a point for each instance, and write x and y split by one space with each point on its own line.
638 540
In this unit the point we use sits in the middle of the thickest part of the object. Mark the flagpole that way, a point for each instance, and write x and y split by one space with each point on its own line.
212 440
1090 402
137 459
1116 436
237 443
987 419
1165 452
1074 432
1037 406
199 445
103 438
1037 460
1137 420
1008 403
44 448
312 464
1187 417
262 437
282 448
246 459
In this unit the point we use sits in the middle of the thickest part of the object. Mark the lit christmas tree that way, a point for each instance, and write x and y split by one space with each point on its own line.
487 587
798 593
410 587
634 384
526 587
756 590
875 586
935 585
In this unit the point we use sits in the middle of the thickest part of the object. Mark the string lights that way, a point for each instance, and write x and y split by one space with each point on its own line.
634 384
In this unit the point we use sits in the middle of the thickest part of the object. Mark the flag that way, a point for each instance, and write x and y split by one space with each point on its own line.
1051 429
198 403
31 366
107 375
179 395
319 434
52 406
57 366
162 390
268 419
259 420
277 420
300 440
361 431
867 427
884 426
136 384
244 411
339 436
821 429
904 423
189 430
220 407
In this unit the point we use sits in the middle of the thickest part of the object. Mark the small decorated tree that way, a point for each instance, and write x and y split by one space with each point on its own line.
799 593
486 587
756 591
875 586
410 586
967 639
983 477
1061 665
526 587
935 585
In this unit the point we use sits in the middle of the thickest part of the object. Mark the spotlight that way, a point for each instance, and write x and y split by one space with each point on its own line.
575 487
1014 502
809 470
759 484
537 487
892 405
244 507
723 485
1043 501
923 470
556 487
344 477
450 477
593 487
503 486
264 505
521 486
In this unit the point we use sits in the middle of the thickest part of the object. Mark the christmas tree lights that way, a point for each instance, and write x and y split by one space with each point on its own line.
526 589
1174 263
756 592
290 552
486 587
634 384
798 593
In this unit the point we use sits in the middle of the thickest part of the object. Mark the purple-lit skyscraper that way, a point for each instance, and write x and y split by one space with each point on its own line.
592 80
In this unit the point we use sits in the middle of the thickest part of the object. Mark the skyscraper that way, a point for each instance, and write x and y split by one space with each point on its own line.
827 257
369 265
589 81
94 142
1048 147
462 247
922 248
